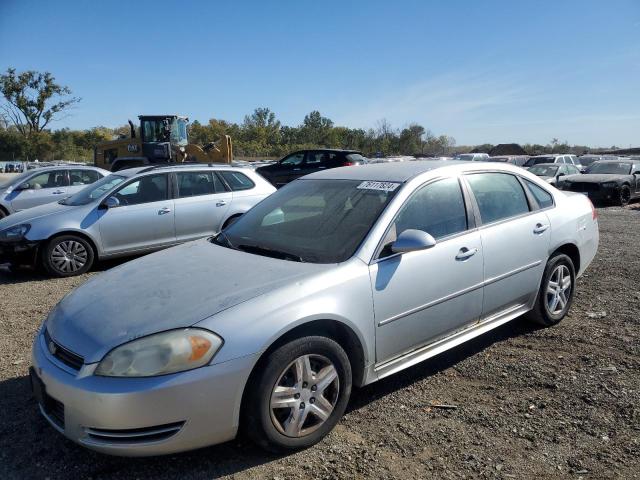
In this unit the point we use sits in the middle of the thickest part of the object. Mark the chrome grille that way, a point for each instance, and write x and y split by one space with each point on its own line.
67 357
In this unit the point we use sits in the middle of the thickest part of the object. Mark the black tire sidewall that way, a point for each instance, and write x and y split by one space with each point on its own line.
266 433
556 260
622 200
46 256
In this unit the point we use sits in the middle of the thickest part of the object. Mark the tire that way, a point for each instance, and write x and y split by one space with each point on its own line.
549 309
625 196
276 429
67 256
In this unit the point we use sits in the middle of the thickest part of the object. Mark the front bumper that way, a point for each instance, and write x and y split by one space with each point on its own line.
142 416
596 193
19 253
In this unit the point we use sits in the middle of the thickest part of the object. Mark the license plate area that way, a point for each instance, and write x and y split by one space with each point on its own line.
52 408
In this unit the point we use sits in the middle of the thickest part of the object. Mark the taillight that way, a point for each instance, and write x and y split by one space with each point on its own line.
348 164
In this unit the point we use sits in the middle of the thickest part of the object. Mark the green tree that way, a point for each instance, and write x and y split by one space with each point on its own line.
32 101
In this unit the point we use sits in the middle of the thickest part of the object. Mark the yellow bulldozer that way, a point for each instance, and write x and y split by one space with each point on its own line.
161 139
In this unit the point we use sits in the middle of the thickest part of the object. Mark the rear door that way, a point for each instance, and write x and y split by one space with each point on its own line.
201 204
144 220
45 187
515 239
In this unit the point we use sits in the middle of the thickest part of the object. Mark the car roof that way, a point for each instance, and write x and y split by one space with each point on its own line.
130 172
621 160
404 171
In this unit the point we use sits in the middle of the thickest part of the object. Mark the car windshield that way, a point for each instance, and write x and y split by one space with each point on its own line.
316 221
535 160
93 191
544 170
17 179
613 168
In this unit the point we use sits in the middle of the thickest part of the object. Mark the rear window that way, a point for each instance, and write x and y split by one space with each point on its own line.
237 181
192 184
544 198
356 157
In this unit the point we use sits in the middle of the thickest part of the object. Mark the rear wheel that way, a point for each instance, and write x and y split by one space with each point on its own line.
625 195
299 396
67 255
556 292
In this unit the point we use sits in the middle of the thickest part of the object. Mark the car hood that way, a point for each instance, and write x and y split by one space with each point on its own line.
31 214
593 178
169 289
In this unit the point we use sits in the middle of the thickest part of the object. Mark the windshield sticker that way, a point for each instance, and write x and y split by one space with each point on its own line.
384 186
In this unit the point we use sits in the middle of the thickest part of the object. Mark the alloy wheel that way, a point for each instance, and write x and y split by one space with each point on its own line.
69 256
304 396
558 289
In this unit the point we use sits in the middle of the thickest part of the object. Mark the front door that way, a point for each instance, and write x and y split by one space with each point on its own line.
144 219
201 204
425 295
515 239
46 187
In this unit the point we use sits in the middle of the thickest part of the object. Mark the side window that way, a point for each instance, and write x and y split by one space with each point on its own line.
152 188
192 184
565 169
499 196
315 158
544 198
237 181
56 178
83 177
293 160
437 208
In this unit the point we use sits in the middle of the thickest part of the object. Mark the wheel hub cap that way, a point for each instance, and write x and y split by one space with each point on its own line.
558 289
304 396
69 256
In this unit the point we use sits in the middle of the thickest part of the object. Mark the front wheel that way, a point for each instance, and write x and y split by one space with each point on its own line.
556 291
300 394
625 196
67 255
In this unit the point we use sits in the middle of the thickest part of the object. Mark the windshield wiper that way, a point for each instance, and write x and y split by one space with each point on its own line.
268 252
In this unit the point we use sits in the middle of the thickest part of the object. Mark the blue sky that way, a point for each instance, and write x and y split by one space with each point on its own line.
480 71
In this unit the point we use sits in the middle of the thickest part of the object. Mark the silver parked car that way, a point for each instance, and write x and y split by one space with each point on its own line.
339 279
45 185
130 212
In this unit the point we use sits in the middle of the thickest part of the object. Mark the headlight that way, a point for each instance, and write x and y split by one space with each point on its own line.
15 233
161 353
610 185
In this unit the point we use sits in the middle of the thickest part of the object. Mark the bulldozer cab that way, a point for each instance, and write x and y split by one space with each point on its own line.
162 139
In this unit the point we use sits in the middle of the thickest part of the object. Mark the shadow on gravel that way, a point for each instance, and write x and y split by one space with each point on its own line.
30 448
448 359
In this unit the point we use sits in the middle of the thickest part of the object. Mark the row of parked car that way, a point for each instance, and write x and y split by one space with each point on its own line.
66 217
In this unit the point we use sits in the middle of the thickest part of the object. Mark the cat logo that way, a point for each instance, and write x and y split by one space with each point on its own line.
133 148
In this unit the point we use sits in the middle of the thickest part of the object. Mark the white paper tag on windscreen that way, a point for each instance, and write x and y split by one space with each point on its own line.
384 186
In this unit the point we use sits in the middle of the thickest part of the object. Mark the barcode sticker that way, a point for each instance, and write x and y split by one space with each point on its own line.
384 186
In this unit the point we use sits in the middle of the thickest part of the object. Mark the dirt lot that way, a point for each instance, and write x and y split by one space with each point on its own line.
561 402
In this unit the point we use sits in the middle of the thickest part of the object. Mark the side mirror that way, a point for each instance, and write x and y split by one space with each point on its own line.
637 172
560 175
412 240
23 186
110 202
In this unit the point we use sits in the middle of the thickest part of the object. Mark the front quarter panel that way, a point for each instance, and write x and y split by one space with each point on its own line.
341 293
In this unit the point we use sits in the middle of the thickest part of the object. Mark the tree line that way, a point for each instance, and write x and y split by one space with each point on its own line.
32 100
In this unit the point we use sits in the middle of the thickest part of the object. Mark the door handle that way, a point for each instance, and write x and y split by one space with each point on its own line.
540 228
296 169
466 253
58 192
164 210
221 203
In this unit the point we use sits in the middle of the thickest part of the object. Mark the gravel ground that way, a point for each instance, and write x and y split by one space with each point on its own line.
558 402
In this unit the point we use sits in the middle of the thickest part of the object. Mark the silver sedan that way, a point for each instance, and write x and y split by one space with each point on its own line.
339 279
130 212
